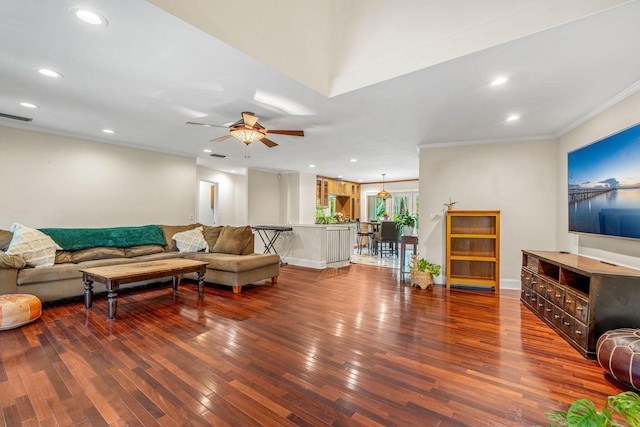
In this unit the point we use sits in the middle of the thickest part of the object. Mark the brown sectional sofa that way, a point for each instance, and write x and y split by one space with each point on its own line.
232 264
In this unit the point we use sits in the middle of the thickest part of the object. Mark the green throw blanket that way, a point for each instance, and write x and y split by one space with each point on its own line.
73 239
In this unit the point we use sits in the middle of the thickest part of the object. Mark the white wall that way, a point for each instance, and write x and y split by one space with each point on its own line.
518 178
299 189
232 208
264 200
620 251
56 181
281 198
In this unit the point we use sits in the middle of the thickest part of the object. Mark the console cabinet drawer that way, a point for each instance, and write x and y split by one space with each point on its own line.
582 309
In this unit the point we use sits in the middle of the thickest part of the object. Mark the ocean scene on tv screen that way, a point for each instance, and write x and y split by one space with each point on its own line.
604 186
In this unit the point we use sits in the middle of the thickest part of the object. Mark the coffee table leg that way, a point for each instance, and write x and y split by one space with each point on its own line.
201 283
88 292
113 303
176 279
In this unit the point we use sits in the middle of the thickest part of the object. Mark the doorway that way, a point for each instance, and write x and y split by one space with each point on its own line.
207 211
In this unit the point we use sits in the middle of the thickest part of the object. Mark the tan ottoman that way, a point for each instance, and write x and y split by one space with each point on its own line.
618 353
18 309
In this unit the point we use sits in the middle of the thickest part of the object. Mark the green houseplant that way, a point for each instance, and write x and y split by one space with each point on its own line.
624 407
405 220
422 272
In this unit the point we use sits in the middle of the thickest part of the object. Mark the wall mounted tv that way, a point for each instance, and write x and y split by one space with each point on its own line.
604 186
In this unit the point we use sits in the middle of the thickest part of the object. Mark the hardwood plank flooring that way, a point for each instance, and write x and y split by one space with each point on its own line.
339 347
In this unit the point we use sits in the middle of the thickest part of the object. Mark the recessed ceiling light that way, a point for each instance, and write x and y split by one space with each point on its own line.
108 131
513 118
233 171
312 166
89 17
353 160
49 73
28 105
206 150
499 81
339 176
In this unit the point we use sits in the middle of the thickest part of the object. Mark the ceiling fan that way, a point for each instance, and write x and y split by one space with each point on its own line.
249 130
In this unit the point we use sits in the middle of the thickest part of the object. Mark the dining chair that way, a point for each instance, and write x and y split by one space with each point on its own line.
388 235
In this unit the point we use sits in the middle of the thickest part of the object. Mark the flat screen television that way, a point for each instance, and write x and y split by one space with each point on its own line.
604 186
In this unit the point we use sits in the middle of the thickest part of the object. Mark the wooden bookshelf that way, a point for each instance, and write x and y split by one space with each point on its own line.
473 248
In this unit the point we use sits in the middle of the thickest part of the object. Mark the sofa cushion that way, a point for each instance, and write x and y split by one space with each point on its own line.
96 253
117 261
235 263
191 241
143 250
102 262
211 234
155 257
28 276
35 247
170 230
63 257
233 240
5 239
11 261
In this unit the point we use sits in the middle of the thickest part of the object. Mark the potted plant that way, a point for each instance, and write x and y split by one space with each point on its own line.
622 407
422 272
406 223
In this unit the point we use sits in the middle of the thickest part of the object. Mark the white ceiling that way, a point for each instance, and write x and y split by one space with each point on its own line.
148 72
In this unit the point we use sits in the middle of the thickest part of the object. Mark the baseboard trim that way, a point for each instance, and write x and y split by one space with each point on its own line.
320 265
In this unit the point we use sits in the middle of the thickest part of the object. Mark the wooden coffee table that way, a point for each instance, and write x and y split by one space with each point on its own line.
112 276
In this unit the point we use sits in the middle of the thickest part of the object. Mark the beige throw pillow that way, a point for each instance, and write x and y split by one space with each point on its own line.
35 247
11 261
233 240
211 234
191 241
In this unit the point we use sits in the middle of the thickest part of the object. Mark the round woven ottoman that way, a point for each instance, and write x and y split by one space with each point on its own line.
18 309
618 353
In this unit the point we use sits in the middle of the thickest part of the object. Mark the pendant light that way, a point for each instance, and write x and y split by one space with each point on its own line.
384 194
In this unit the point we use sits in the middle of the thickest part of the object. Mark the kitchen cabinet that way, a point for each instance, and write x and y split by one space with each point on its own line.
322 193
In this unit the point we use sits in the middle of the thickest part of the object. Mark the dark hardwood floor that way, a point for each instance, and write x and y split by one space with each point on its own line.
337 347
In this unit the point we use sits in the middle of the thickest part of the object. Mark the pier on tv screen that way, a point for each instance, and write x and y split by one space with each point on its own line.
604 186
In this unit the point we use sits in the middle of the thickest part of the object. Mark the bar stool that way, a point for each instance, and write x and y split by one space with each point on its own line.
361 236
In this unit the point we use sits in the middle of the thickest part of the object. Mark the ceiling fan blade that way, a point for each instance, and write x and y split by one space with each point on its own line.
269 143
287 132
222 138
207 125
249 119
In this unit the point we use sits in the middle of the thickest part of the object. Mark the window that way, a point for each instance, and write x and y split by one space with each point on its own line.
405 203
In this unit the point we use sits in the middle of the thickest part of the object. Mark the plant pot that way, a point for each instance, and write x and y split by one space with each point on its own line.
424 279
407 231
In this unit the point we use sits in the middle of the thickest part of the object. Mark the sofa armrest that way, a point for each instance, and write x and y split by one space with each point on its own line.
8 281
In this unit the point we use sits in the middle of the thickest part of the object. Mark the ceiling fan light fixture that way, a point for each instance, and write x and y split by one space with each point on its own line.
383 194
246 135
